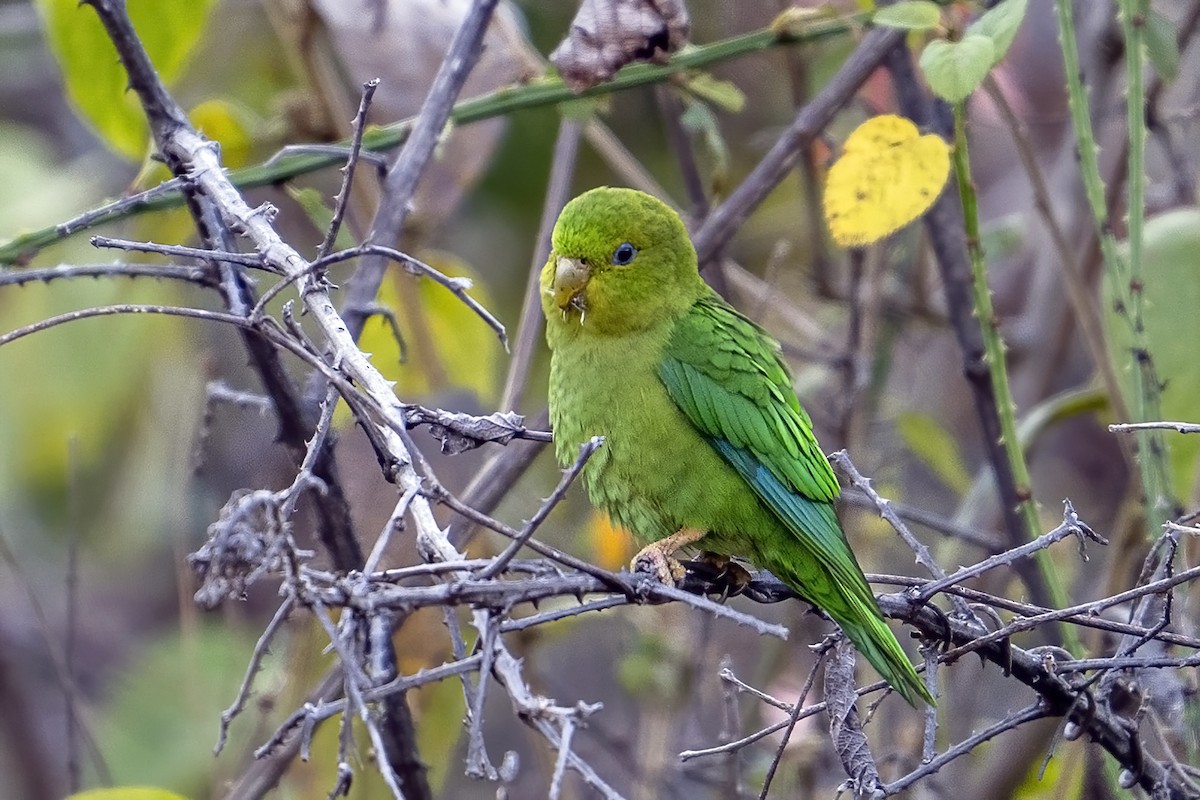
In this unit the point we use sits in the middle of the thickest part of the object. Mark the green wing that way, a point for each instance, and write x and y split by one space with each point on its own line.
724 373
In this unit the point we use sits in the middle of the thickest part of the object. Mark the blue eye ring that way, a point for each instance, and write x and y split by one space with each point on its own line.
624 254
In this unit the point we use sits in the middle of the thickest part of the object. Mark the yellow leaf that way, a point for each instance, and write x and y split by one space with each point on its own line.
1060 778
229 125
612 546
888 176
127 793
933 445
446 346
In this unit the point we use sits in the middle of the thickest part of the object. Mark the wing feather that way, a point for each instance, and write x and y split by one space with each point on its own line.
746 407
746 399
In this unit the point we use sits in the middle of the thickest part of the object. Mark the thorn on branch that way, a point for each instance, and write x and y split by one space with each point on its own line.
343 195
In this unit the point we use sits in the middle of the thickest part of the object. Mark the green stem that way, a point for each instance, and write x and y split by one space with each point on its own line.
998 372
539 93
1124 276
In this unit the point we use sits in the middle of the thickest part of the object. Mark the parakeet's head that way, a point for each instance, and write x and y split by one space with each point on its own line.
620 261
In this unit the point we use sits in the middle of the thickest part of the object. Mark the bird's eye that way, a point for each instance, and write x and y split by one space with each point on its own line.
624 254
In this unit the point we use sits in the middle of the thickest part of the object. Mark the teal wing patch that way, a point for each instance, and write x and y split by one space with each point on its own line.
815 525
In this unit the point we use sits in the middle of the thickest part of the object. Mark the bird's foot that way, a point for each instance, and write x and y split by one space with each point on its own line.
658 558
725 576
663 567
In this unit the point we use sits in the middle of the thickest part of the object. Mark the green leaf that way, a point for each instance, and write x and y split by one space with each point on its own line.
447 346
1171 295
319 213
935 448
700 119
95 79
1003 237
910 15
1058 408
955 69
1162 48
725 95
1000 25
167 703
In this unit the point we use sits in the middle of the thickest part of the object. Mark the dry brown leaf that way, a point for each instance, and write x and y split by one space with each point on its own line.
608 34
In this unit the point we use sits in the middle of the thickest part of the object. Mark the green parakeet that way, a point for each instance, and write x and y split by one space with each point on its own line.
706 442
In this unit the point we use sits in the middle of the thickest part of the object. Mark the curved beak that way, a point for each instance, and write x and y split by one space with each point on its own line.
571 276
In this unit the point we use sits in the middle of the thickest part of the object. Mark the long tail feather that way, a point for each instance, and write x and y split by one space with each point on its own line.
844 595
874 639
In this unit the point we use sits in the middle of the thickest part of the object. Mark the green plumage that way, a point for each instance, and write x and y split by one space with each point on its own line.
703 428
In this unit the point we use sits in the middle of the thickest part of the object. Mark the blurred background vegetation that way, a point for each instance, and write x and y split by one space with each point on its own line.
113 459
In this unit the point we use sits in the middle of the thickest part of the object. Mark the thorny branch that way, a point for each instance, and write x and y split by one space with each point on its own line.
493 595
252 540
195 159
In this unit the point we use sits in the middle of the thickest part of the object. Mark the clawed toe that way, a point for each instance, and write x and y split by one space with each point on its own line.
654 562
729 577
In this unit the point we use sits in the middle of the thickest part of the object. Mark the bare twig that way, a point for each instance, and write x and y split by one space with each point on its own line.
1010 722
1071 526
493 479
334 152
14 277
400 186
499 595
461 432
1087 313
727 676
944 223
123 308
562 167
74 773
841 460
189 154
313 712
457 286
179 251
260 652
728 217
478 764
395 523
989 542
845 725
343 195
60 670
1178 427
822 651
501 561
564 752
1083 618
731 724
355 682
